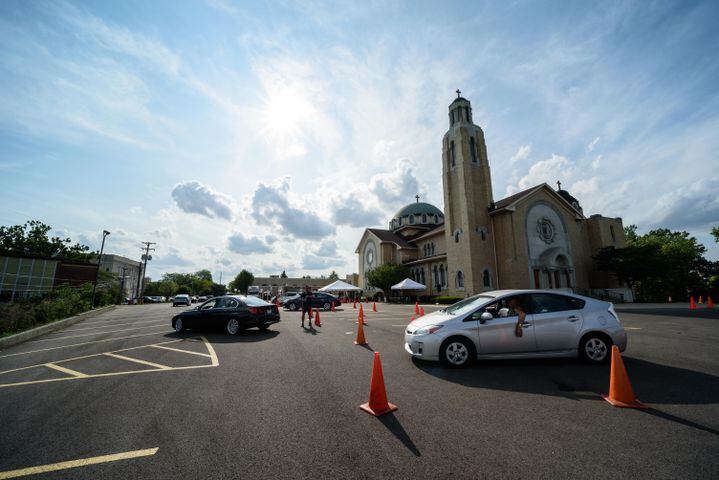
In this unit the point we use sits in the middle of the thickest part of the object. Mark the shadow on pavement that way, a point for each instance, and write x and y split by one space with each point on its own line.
700 312
393 425
673 418
653 383
247 336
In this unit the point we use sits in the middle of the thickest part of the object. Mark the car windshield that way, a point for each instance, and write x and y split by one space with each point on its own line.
254 302
468 304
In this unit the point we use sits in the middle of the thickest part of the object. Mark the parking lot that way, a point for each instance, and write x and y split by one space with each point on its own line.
140 401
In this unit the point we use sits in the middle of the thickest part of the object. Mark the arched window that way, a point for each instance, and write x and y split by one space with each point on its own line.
486 279
411 219
459 280
435 275
432 248
469 114
442 276
421 276
456 236
424 218
473 149
400 221
436 219
611 231
451 153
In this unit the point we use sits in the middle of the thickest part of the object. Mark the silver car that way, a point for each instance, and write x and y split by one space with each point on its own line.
556 324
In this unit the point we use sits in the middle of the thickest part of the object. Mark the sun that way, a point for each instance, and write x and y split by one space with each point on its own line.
285 114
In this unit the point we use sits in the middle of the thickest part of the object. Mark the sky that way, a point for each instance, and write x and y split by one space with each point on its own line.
268 135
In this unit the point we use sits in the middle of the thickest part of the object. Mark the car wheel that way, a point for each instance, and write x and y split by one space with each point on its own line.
595 348
292 306
457 352
179 326
326 306
232 326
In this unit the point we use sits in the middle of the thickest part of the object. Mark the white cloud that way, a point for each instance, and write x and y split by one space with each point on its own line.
596 162
194 197
694 206
328 248
548 171
271 206
585 187
522 153
315 262
398 186
354 210
593 144
245 245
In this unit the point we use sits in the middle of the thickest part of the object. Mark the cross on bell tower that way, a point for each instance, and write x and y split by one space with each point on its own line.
458 93
417 197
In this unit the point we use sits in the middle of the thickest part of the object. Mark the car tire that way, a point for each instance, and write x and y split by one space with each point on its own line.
326 306
178 326
595 348
292 306
232 326
457 352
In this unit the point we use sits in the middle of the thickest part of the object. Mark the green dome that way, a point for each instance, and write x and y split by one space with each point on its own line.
418 213
418 208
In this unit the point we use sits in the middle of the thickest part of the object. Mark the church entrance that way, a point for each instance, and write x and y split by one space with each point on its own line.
553 270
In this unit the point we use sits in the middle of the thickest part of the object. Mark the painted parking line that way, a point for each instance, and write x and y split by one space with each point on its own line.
83 343
110 325
75 375
632 328
83 462
180 350
101 333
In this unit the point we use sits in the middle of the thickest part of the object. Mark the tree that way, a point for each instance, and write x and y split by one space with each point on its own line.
216 289
283 275
32 239
243 280
715 233
659 264
384 276
334 276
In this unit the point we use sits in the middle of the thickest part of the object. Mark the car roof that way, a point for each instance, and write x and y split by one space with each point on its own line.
503 293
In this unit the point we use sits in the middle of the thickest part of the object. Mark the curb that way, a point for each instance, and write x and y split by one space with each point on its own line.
50 327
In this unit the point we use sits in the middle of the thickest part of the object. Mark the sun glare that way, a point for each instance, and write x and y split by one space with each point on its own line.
285 113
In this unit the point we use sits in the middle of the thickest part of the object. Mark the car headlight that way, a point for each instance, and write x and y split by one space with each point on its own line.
427 330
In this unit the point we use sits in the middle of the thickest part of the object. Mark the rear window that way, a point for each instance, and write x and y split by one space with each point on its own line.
254 302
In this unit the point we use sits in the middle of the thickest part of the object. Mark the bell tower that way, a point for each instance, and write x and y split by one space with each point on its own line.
467 198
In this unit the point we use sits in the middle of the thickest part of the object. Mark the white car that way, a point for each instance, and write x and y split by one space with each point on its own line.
557 324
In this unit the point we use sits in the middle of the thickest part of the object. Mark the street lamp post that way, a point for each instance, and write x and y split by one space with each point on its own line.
105 233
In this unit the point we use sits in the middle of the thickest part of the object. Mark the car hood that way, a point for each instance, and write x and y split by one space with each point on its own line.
433 318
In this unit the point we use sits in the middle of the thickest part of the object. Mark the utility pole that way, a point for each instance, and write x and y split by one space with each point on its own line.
105 233
145 257
121 295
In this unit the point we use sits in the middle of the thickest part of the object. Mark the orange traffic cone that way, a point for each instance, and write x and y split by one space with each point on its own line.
421 312
354 305
360 315
378 404
416 308
360 340
318 323
620 390
692 305
700 300
333 307
374 306
710 304
412 319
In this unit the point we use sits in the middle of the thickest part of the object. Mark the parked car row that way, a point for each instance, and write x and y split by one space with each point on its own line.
321 300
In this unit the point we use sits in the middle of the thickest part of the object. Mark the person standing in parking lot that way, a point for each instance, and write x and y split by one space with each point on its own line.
307 305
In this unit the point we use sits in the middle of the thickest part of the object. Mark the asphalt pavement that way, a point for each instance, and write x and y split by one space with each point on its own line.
140 401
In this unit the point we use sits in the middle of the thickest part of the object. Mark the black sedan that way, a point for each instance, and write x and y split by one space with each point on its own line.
232 313
321 300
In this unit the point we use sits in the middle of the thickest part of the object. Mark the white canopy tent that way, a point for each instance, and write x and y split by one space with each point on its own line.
340 286
408 284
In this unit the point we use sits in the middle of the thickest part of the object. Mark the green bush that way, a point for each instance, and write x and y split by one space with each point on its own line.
65 301
447 300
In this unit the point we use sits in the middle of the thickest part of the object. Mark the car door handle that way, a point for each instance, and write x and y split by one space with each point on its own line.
573 318
526 325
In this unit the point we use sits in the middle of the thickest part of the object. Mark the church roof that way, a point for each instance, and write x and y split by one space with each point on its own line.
505 202
418 208
389 236
510 201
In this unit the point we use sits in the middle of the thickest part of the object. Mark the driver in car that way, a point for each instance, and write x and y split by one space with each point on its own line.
515 304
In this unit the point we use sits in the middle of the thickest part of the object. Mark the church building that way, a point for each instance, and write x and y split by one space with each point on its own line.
536 238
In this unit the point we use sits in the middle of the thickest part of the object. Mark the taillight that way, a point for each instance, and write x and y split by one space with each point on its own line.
255 311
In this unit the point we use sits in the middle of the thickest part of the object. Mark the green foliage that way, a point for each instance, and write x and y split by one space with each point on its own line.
283 275
242 281
165 288
384 276
198 283
446 300
659 264
715 233
65 301
334 276
32 239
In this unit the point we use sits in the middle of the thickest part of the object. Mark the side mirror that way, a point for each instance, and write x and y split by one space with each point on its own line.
484 317
197 308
